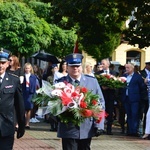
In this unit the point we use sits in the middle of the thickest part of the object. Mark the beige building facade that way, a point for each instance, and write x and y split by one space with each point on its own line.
125 53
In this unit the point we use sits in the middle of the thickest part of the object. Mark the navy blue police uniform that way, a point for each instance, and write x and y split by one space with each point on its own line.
10 99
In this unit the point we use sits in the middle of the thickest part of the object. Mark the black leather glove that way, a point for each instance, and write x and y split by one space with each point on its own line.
20 132
98 132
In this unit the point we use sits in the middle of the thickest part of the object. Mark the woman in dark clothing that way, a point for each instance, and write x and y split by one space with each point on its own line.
14 67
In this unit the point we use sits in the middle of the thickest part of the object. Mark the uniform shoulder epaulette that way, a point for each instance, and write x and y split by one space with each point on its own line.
13 75
89 76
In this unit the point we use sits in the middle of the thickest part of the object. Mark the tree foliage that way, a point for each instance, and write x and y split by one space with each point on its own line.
98 23
139 26
21 31
52 25
63 40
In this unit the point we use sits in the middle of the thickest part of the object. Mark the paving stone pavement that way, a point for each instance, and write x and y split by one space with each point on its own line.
40 138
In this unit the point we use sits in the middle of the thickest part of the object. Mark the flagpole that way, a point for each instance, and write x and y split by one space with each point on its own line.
76 50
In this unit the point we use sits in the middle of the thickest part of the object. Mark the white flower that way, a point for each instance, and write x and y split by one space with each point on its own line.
68 91
114 78
60 85
81 96
56 92
103 74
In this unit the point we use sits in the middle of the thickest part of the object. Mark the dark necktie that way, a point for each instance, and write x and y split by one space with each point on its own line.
77 82
106 71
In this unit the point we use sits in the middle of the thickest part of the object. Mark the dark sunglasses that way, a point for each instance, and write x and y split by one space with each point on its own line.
10 60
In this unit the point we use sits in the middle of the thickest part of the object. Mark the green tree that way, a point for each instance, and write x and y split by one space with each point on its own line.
139 26
98 23
63 40
21 31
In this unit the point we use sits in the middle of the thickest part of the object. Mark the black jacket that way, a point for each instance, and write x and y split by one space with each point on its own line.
144 92
11 99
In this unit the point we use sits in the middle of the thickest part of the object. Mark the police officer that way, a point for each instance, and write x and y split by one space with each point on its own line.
10 99
79 137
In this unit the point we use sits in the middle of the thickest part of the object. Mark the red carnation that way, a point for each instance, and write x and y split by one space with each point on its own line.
87 113
74 94
84 90
99 120
108 76
83 104
94 102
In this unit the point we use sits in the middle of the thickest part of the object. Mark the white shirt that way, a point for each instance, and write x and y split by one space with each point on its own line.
129 77
75 79
2 75
58 75
27 79
106 71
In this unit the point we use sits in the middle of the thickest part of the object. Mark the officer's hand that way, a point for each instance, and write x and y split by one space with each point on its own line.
98 132
20 132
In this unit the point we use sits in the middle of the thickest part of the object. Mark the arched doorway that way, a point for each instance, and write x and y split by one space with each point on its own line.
134 57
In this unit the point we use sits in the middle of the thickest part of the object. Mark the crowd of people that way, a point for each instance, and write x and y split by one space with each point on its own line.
129 105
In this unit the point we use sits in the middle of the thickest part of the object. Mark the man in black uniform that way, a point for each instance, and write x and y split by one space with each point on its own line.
10 99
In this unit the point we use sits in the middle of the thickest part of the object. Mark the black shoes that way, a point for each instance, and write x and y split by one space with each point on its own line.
27 127
53 130
133 134
109 133
16 129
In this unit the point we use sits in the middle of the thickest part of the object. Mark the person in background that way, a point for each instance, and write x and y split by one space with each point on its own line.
10 99
109 96
62 70
144 103
122 113
38 73
112 68
46 71
121 70
136 68
52 71
116 110
131 96
147 126
79 137
49 117
29 90
87 69
15 68
98 67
